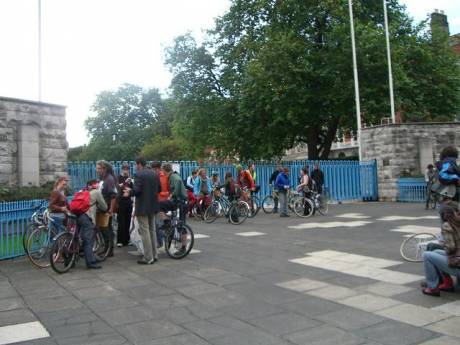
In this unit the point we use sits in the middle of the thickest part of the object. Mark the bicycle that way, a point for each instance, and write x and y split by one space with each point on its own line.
66 247
236 211
252 200
37 219
304 207
268 203
176 233
413 247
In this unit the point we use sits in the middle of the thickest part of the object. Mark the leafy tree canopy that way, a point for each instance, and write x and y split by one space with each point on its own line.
277 73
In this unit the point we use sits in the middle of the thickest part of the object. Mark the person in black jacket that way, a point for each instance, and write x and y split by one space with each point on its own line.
271 182
318 177
146 189
125 207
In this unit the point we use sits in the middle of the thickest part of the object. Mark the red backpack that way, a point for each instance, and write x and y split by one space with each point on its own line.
80 203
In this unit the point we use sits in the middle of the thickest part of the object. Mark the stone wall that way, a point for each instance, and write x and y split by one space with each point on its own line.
33 146
405 148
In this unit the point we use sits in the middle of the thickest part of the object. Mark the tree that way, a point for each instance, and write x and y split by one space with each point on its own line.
125 120
277 73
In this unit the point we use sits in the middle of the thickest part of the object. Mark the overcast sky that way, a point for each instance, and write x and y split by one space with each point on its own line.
94 45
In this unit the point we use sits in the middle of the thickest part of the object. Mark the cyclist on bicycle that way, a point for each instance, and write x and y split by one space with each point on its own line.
189 186
177 199
304 182
202 188
58 203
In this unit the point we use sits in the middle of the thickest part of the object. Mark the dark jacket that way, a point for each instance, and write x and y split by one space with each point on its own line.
273 177
146 189
318 176
177 188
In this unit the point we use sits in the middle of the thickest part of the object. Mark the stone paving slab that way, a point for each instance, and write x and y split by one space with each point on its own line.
444 340
413 315
242 290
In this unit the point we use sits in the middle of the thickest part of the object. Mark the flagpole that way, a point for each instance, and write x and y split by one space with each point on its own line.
39 50
390 73
355 75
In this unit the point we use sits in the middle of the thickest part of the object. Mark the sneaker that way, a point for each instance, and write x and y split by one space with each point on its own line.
119 245
283 215
447 284
144 262
431 292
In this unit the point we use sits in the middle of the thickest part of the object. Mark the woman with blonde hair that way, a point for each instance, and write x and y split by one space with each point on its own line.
58 203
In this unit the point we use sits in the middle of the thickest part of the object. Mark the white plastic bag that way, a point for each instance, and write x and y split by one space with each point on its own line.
134 234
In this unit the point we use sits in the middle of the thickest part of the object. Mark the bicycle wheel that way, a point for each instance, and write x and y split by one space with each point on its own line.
238 213
268 204
30 228
100 249
63 252
212 212
304 207
174 240
413 247
39 245
253 206
323 206
292 200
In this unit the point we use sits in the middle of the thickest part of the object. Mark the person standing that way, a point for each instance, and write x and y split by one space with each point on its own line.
318 177
58 203
146 188
125 207
163 195
429 179
191 196
108 187
271 182
283 185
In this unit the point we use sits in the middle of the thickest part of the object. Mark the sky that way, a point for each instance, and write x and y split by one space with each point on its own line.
89 46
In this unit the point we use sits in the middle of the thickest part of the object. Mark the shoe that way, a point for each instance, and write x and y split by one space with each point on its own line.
181 251
447 284
119 245
93 267
283 215
431 292
144 262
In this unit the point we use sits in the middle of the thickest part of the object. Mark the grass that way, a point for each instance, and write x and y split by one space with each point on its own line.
10 246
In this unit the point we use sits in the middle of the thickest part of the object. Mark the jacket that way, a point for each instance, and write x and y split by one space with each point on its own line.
197 186
57 202
451 238
246 180
282 180
97 203
177 188
317 176
273 177
449 172
146 189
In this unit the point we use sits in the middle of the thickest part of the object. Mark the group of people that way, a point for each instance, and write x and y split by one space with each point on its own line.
441 261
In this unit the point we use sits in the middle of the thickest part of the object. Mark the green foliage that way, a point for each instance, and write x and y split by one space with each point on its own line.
13 193
163 149
277 73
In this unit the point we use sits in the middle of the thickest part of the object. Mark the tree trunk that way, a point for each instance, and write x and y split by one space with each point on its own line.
312 143
329 138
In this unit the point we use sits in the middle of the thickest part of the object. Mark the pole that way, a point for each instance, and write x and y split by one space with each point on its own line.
390 73
39 50
355 75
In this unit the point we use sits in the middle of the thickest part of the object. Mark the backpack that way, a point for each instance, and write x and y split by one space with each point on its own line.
448 172
80 203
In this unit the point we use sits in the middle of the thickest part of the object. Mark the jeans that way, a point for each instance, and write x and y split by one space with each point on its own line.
283 201
435 262
57 222
86 229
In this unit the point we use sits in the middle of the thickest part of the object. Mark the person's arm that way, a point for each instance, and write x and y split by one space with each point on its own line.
54 200
137 188
100 202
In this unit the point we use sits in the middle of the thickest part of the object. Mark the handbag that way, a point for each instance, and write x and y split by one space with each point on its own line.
102 219
454 260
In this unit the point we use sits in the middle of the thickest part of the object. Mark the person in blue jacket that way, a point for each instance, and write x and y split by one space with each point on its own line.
283 185
202 189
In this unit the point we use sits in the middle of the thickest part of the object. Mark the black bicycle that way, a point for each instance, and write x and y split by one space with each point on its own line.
179 237
237 211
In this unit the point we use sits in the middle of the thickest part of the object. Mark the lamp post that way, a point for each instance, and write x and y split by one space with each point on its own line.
390 73
355 75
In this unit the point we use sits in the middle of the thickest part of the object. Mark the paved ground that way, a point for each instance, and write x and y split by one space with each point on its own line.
335 279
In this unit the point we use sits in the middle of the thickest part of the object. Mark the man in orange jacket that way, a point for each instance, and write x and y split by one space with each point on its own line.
162 195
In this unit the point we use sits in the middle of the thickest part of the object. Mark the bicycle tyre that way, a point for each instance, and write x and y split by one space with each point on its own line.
63 253
173 243
253 203
30 228
39 245
100 249
292 200
323 205
238 213
212 212
268 204
304 208
412 248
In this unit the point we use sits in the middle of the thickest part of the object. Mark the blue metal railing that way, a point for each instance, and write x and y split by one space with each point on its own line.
411 189
14 218
345 180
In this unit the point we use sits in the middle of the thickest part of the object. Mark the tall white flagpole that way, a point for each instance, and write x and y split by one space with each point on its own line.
39 50
355 75
390 73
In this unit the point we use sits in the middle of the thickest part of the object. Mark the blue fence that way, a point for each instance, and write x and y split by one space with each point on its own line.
14 218
345 180
411 189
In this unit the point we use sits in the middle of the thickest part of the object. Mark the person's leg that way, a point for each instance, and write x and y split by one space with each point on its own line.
128 224
153 235
276 200
283 203
121 224
144 233
434 262
87 236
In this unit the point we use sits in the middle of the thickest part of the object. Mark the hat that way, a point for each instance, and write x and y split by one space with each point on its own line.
214 173
239 167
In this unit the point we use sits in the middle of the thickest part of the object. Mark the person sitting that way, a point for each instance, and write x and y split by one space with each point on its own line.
189 186
438 270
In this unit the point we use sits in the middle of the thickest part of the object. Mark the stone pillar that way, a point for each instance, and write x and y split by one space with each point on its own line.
28 155
425 149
